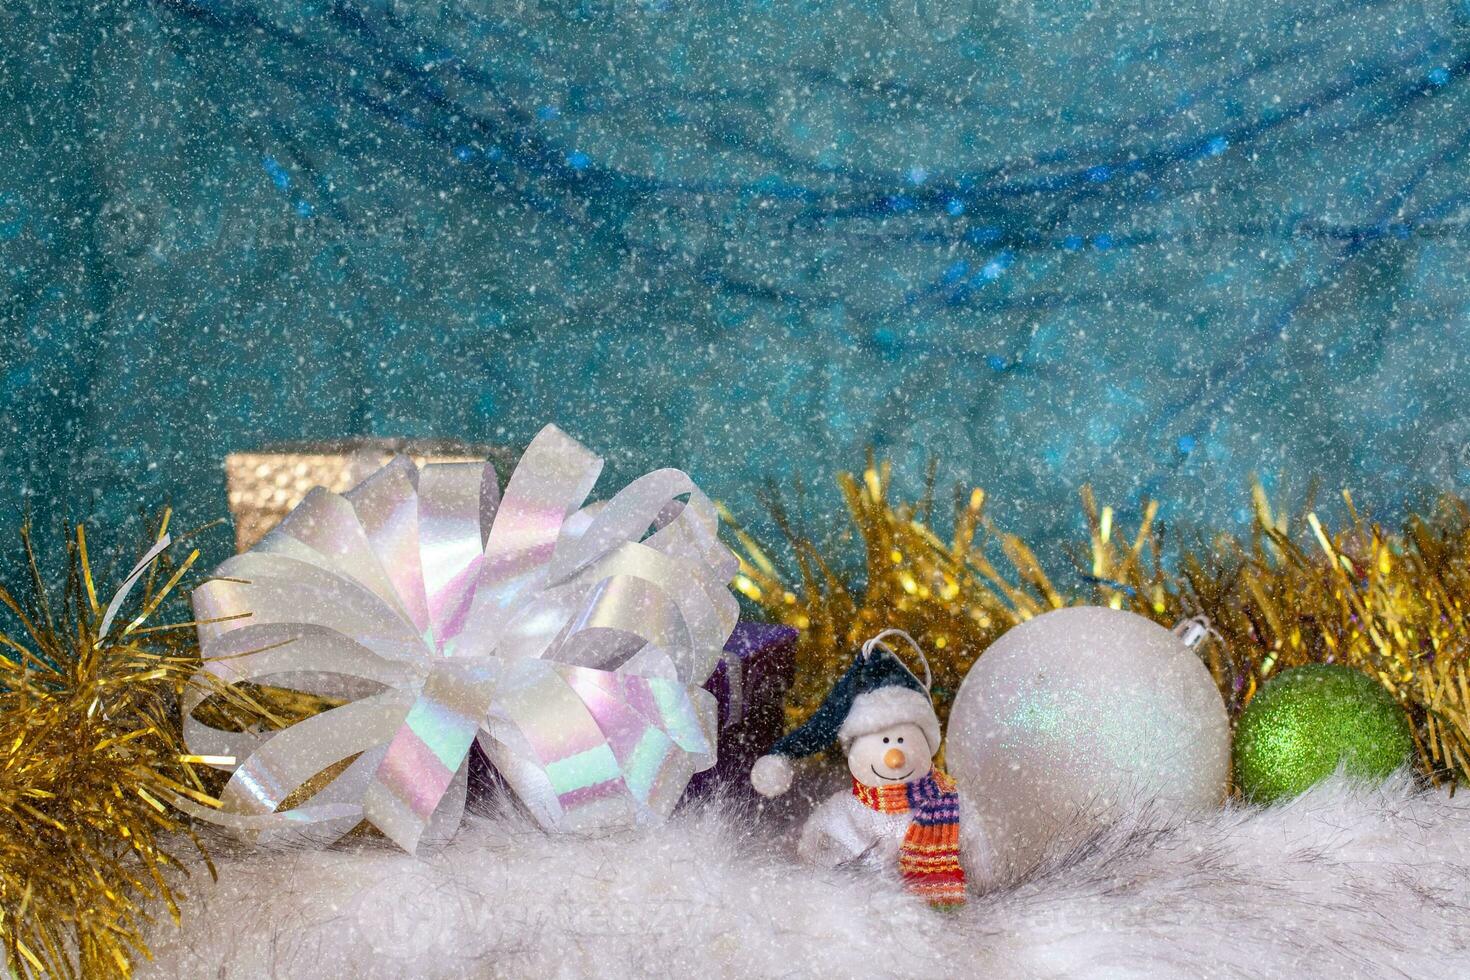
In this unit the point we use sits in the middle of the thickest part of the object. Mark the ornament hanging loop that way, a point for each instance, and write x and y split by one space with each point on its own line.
877 641
1194 630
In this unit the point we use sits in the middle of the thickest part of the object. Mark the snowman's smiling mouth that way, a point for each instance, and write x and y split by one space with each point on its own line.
892 779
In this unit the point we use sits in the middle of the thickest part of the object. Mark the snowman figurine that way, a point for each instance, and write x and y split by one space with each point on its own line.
901 813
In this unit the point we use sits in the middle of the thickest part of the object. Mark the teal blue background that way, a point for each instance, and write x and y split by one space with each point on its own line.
1152 246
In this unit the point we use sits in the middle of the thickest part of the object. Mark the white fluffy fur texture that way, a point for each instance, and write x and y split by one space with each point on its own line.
1343 882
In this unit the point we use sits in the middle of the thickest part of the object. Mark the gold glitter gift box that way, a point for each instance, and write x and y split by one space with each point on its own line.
265 484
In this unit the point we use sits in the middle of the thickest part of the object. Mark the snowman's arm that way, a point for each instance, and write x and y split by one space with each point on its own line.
829 836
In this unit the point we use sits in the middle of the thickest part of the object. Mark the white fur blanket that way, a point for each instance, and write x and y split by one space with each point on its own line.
1344 881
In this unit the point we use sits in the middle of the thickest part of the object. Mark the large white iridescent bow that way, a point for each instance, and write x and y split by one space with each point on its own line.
569 640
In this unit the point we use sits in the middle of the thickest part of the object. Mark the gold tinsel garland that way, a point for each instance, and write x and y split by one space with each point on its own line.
92 751
1289 592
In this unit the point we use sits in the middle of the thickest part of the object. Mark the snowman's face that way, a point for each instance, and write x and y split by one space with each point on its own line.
894 755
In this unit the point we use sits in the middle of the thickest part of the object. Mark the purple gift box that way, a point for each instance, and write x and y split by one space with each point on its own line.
752 703
751 700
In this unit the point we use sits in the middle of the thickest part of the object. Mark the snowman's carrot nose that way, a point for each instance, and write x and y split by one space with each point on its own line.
894 758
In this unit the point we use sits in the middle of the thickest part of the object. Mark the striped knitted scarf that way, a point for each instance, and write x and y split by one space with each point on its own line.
929 858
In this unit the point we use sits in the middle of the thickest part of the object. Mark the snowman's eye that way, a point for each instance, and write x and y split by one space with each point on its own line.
900 741
885 739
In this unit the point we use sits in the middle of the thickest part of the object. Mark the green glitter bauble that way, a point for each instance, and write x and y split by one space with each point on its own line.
1306 720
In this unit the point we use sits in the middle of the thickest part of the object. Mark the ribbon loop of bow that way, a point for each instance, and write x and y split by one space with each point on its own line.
569 640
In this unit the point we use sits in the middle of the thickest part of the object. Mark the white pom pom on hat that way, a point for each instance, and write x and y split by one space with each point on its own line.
771 775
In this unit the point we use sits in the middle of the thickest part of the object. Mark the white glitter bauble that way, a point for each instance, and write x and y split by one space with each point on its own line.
1067 719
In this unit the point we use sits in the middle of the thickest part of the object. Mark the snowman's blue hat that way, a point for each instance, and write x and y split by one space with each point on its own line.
877 691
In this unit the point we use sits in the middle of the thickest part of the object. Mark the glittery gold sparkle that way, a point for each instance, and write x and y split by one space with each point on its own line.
1287 592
